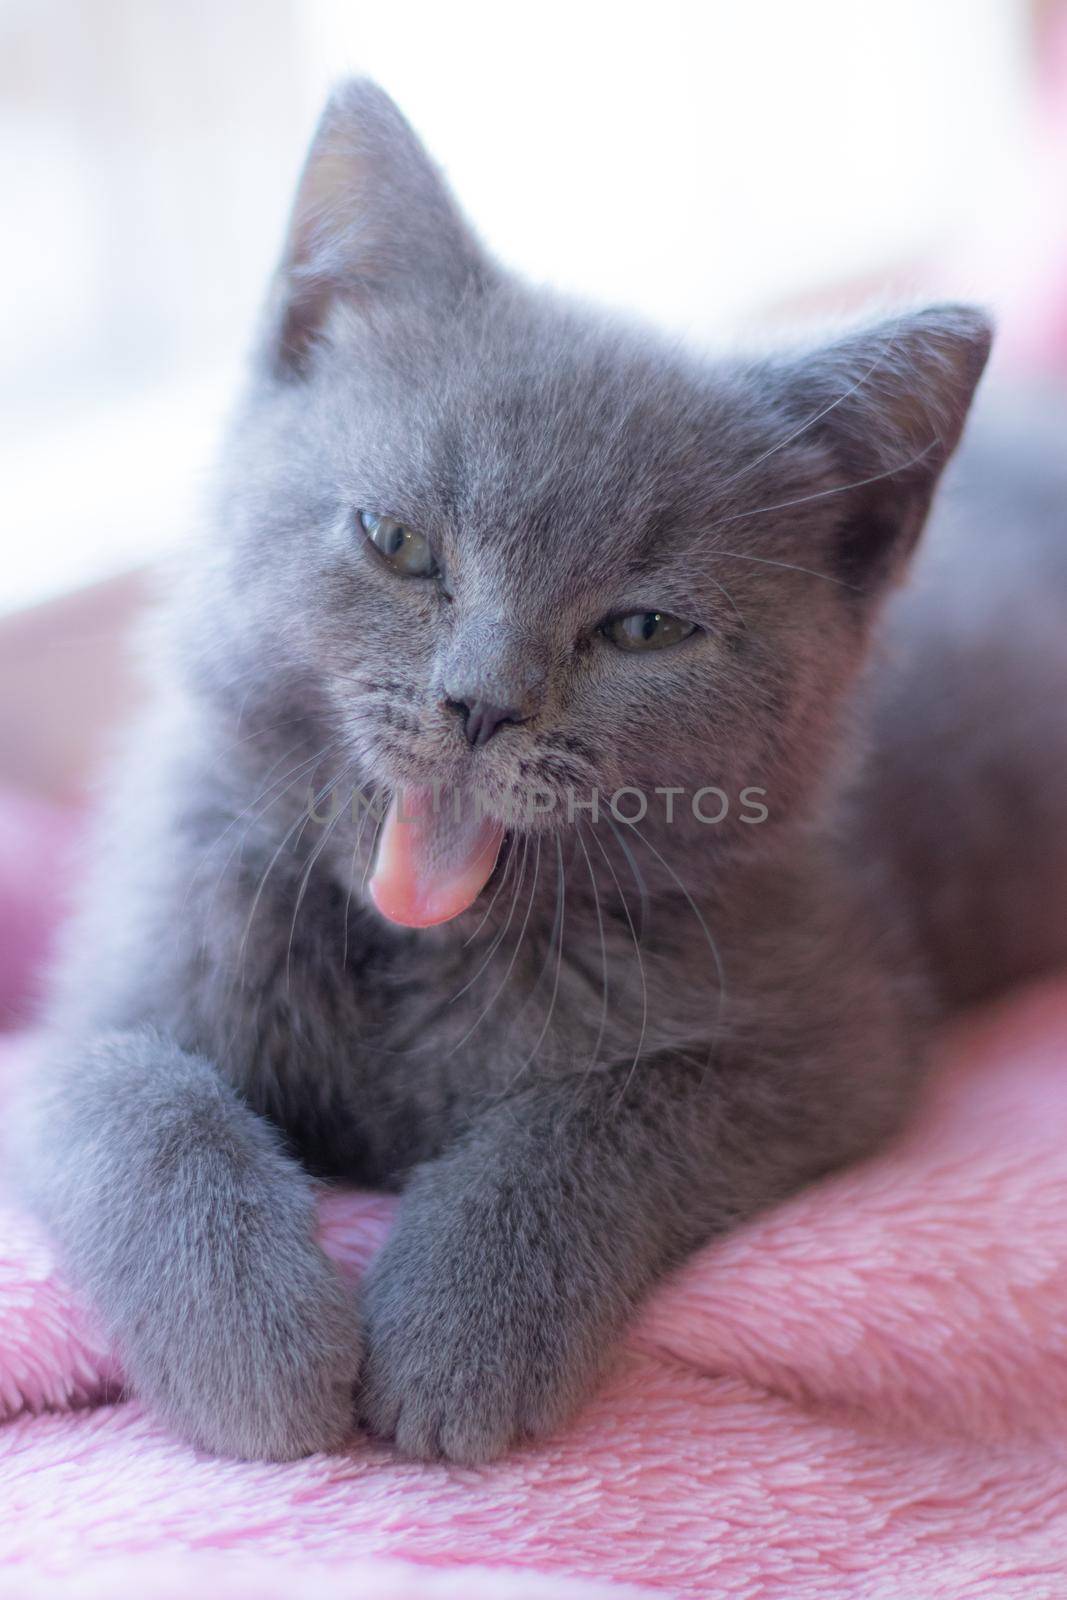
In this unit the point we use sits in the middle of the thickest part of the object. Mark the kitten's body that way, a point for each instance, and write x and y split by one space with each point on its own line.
633 1038
967 776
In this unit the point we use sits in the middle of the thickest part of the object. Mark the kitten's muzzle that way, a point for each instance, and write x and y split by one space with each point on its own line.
492 674
481 719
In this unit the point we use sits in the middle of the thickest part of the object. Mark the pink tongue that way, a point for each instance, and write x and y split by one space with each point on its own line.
432 864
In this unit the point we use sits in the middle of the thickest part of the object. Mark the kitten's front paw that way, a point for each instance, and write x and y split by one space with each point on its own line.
453 1370
266 1373
435 1403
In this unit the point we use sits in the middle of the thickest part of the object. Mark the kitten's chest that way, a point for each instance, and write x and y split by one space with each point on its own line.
481 1008
375 1046
375 1058
456 1021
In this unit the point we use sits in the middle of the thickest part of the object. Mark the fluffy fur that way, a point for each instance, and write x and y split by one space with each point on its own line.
638 1037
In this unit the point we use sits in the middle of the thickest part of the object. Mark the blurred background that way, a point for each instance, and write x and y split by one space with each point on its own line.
700 162
708 163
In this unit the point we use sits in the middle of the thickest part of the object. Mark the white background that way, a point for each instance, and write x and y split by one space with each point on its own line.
701 162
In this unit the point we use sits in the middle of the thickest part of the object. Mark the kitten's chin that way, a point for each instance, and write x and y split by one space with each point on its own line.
435 856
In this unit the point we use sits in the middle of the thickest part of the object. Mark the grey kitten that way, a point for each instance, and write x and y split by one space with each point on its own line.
473 542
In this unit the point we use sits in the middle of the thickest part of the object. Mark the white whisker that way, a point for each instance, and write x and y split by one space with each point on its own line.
367 811
637 952
712 946
561 911
514 954
812 420
603 950
306 878
494 946
823 494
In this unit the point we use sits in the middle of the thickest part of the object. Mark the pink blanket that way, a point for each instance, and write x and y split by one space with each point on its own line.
864 1394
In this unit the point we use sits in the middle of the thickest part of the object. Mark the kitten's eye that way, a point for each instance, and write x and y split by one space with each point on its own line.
406 551
647 630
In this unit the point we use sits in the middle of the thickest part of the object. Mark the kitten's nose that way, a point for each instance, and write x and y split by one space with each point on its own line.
481 719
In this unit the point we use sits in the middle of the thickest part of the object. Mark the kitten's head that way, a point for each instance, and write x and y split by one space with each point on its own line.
513 545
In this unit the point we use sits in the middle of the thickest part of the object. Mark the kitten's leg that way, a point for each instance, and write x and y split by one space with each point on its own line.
192 1230
519 1253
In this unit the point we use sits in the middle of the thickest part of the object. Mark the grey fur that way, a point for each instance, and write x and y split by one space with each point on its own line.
630 1042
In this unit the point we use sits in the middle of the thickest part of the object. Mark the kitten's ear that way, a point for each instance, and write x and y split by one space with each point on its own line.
891 402
372 217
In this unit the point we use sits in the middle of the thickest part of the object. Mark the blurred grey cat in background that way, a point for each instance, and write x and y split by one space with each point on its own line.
474 540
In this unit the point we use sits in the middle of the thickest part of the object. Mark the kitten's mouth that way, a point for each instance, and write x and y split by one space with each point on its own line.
436 853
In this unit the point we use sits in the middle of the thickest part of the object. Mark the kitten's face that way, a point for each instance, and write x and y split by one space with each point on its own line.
554 481
557 476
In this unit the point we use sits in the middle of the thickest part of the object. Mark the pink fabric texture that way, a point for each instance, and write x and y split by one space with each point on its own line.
864 1394
36 846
